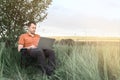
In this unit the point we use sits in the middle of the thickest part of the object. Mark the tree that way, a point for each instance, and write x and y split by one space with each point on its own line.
14 14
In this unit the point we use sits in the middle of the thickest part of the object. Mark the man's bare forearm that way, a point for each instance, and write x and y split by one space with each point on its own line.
20 47
30 47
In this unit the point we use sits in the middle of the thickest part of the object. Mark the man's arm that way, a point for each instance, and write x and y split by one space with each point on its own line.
20 47
21 43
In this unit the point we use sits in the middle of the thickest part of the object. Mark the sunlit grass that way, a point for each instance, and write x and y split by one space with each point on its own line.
88 61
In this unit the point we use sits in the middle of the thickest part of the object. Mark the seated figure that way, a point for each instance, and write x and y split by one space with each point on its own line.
28 46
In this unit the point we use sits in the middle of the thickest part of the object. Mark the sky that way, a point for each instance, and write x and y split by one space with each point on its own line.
82 18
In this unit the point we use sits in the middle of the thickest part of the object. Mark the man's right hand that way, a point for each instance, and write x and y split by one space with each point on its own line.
20 47
31 47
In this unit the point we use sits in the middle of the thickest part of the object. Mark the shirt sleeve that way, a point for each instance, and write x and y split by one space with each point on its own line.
21 40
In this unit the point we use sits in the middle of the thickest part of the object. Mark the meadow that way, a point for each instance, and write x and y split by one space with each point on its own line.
84 60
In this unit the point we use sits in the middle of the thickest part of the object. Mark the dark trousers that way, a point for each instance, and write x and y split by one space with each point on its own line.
45 59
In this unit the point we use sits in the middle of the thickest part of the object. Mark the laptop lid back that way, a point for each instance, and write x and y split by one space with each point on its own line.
46 43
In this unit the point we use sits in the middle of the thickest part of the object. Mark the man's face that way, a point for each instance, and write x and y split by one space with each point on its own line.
32 28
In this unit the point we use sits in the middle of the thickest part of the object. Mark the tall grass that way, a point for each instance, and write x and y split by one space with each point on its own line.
99 61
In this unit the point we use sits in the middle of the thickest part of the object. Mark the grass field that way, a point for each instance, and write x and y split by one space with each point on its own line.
87 38
86 61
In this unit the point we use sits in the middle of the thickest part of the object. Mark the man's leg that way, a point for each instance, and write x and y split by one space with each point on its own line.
50 54
39 55
24 58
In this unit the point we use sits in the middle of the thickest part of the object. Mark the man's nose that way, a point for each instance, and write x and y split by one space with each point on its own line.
34 30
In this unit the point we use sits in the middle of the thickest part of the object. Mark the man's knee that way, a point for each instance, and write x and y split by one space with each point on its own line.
36 52
23 50
49 51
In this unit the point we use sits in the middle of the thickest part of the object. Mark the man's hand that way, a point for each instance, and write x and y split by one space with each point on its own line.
20 47
31 47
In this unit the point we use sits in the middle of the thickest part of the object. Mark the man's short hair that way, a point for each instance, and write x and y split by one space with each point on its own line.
31 22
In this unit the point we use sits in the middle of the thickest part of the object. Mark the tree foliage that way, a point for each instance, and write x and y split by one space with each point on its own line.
14 14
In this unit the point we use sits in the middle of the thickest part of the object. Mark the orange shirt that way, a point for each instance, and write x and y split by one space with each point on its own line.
27 40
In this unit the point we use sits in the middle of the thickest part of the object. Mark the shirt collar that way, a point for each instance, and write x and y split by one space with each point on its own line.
31 35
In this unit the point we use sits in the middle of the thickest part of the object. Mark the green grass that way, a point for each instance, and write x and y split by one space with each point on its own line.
79 62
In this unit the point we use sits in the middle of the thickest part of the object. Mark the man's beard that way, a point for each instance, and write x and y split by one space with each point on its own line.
32 32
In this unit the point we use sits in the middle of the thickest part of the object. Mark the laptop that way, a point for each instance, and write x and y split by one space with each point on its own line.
46 43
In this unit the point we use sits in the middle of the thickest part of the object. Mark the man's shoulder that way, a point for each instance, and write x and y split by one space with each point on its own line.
24 34
37 35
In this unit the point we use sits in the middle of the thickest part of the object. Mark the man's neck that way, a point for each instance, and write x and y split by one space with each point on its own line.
31 34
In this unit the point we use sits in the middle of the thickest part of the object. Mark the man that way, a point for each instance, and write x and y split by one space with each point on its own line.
29 41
